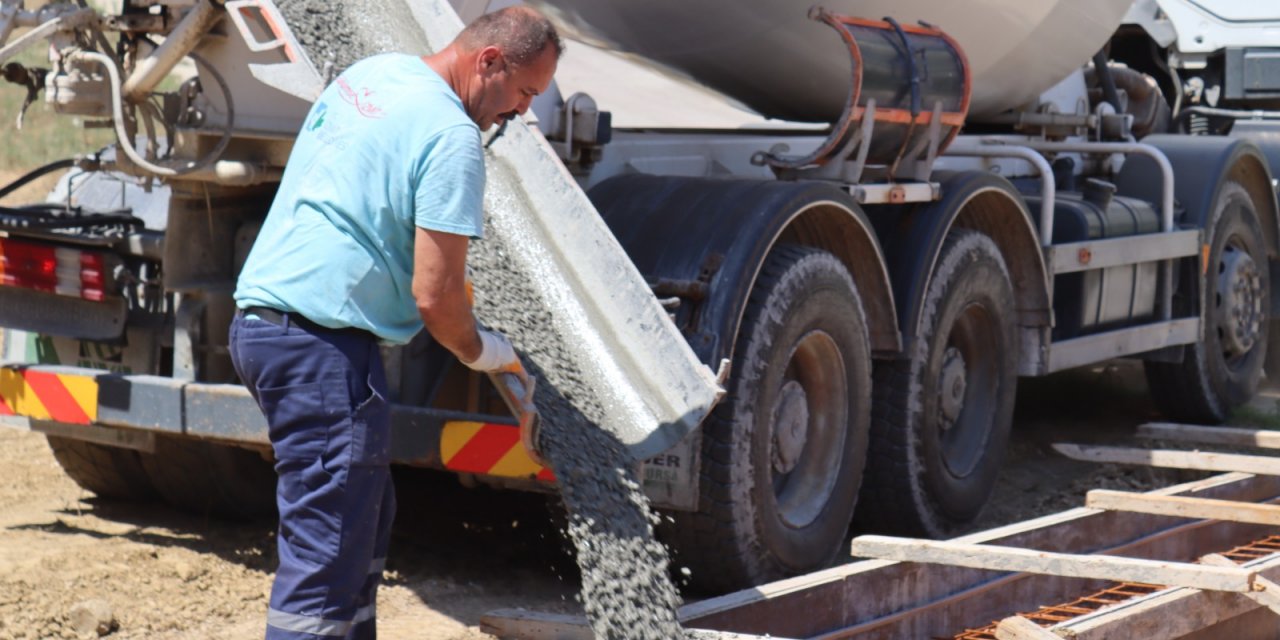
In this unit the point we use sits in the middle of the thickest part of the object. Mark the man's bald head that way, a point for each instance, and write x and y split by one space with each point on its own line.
520 32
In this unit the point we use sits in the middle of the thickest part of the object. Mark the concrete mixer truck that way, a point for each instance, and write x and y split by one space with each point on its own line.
861 223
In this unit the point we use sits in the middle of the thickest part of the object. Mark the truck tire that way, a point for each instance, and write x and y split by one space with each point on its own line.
941 416
211 479
109 472
783 453
1222 371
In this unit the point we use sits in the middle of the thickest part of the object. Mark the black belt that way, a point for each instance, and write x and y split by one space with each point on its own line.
286 318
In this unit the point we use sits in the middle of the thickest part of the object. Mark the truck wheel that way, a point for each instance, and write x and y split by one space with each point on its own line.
206 478
782 455
941 417
109 472
1222 371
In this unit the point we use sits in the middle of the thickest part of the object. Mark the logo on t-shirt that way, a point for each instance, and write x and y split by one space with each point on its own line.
317 120
361 98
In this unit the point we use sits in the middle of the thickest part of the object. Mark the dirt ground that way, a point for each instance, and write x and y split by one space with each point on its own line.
165 574
457 553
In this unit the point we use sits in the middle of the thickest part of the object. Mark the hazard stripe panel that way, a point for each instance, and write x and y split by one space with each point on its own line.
48 396
488 449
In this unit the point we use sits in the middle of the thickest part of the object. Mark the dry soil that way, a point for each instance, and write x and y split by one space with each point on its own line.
457 553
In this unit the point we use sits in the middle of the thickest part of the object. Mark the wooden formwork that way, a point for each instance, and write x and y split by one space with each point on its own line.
1127 565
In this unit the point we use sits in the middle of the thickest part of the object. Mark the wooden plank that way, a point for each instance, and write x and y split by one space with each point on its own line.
1172 613
1184 507
520 624
707 634
1265 592
1198 460
1020 628
1234 436
533 625
1101 567
1166 614
742 609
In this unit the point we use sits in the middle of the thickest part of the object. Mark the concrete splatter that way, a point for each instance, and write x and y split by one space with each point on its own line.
626 590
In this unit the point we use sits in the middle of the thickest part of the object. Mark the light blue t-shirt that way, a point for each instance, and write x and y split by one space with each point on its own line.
387 147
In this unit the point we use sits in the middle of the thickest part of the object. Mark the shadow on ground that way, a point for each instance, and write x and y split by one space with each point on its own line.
447 538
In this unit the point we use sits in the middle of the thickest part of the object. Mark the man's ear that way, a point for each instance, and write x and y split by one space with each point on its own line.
489 60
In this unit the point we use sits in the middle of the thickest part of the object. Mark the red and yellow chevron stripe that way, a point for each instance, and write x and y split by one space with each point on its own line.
489 449
48 396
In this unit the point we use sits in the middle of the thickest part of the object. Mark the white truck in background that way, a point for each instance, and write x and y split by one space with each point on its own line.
977 201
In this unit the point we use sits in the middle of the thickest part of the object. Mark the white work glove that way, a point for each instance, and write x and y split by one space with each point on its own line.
496 354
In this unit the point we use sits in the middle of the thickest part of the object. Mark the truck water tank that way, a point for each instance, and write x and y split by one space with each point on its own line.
769 55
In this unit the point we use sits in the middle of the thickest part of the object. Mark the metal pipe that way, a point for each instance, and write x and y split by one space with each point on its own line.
1166 169
1166 204
1048 188
117 115
180 42
236 173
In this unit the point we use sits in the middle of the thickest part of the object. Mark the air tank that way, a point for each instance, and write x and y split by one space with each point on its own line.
772 57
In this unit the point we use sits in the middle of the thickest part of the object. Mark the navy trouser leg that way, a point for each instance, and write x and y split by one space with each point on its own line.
323 394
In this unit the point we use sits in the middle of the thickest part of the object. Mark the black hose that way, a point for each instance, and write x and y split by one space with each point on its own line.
911 65
1108 81
36 173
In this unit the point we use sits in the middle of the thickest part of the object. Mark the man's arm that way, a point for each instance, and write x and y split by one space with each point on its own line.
440 290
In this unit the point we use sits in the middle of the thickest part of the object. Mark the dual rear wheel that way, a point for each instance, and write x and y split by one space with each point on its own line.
787 453
192 475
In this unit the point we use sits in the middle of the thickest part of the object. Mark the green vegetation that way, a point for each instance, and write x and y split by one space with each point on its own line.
1257 415
45 136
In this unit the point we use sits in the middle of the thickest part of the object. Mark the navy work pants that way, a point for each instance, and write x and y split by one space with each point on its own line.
323 393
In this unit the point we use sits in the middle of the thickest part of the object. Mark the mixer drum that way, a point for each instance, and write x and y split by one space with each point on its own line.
908 97
766 54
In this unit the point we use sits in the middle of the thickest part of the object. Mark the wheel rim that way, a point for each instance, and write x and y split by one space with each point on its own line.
808 429
1237 306
967 389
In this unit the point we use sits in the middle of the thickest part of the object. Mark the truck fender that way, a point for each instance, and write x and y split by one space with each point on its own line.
1265 134
912 236
705 240
1201 164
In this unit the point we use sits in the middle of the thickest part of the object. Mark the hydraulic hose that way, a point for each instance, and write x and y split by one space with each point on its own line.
36 173
122 136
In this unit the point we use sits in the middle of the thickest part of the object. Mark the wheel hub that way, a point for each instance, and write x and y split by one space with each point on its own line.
1240 309
790 426
951 386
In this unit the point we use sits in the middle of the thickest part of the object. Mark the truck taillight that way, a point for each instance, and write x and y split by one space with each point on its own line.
92 282
60 270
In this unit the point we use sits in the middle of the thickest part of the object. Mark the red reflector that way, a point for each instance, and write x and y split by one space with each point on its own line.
29 266
33 266
91 280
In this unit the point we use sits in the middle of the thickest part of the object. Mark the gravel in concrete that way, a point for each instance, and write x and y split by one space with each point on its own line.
626 590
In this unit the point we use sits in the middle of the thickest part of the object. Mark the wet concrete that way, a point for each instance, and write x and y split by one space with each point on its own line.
340 33
626 590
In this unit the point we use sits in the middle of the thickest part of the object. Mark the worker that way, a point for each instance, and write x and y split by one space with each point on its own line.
366 243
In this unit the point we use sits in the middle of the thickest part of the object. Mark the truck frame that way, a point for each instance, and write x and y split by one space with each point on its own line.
874 314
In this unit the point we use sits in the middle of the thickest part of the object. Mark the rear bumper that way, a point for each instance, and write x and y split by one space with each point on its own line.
129 410
73 396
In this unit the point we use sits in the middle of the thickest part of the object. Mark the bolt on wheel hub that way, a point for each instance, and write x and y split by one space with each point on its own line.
790 426
1239 310
952 383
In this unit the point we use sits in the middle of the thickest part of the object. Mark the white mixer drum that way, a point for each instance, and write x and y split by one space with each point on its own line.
769 55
